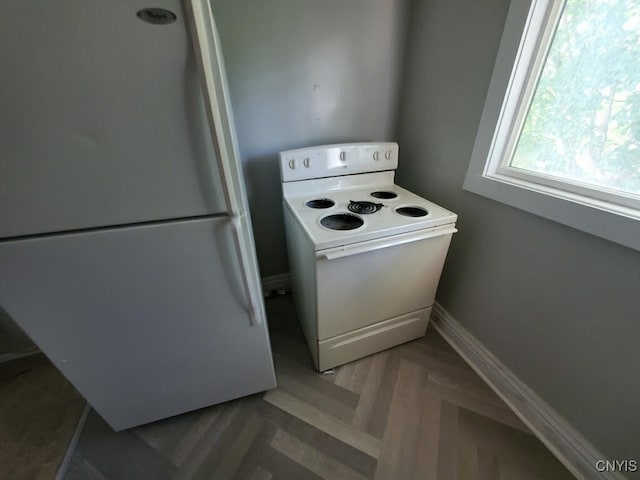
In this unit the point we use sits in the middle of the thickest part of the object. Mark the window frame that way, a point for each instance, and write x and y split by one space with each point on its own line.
527 36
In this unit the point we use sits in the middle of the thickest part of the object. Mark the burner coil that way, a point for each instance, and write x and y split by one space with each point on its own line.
342 221
364 207
320 203
384 195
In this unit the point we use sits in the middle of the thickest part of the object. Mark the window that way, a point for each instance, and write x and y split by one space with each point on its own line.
560 131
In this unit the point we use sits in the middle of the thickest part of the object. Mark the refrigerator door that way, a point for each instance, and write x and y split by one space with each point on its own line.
103 120
146 322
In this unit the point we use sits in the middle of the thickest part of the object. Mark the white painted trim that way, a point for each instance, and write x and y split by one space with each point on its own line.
566 443
281 281
71 448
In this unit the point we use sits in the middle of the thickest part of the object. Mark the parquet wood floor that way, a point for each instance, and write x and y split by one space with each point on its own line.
39 411
413 412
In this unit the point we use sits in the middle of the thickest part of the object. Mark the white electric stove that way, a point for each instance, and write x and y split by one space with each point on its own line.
365 254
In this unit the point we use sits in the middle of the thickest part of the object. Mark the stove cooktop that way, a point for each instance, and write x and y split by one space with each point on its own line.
334 215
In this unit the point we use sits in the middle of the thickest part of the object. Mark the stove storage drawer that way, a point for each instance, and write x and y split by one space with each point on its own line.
369 282
371 339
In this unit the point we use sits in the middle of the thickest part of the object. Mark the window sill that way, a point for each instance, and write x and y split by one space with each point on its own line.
596 217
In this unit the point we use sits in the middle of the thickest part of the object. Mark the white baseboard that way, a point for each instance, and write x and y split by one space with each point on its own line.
71 447
281 281
567 444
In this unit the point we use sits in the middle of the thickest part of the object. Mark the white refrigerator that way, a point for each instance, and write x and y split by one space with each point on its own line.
126 250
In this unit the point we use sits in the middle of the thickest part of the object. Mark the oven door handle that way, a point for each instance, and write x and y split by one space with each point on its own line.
377 244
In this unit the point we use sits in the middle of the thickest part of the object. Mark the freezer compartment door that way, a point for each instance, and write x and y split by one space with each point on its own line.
146 322
103 119
368 282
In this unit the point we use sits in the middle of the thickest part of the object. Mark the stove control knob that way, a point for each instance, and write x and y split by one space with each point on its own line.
343 156
306 162
387 154
376 156
292 163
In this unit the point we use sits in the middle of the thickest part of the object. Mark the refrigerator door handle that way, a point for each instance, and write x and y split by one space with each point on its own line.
208 54
253 307
207 51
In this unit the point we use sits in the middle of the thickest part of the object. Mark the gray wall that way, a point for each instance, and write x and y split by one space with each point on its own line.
302 73
557 306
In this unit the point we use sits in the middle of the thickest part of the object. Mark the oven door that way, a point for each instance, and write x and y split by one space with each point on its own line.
369 282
